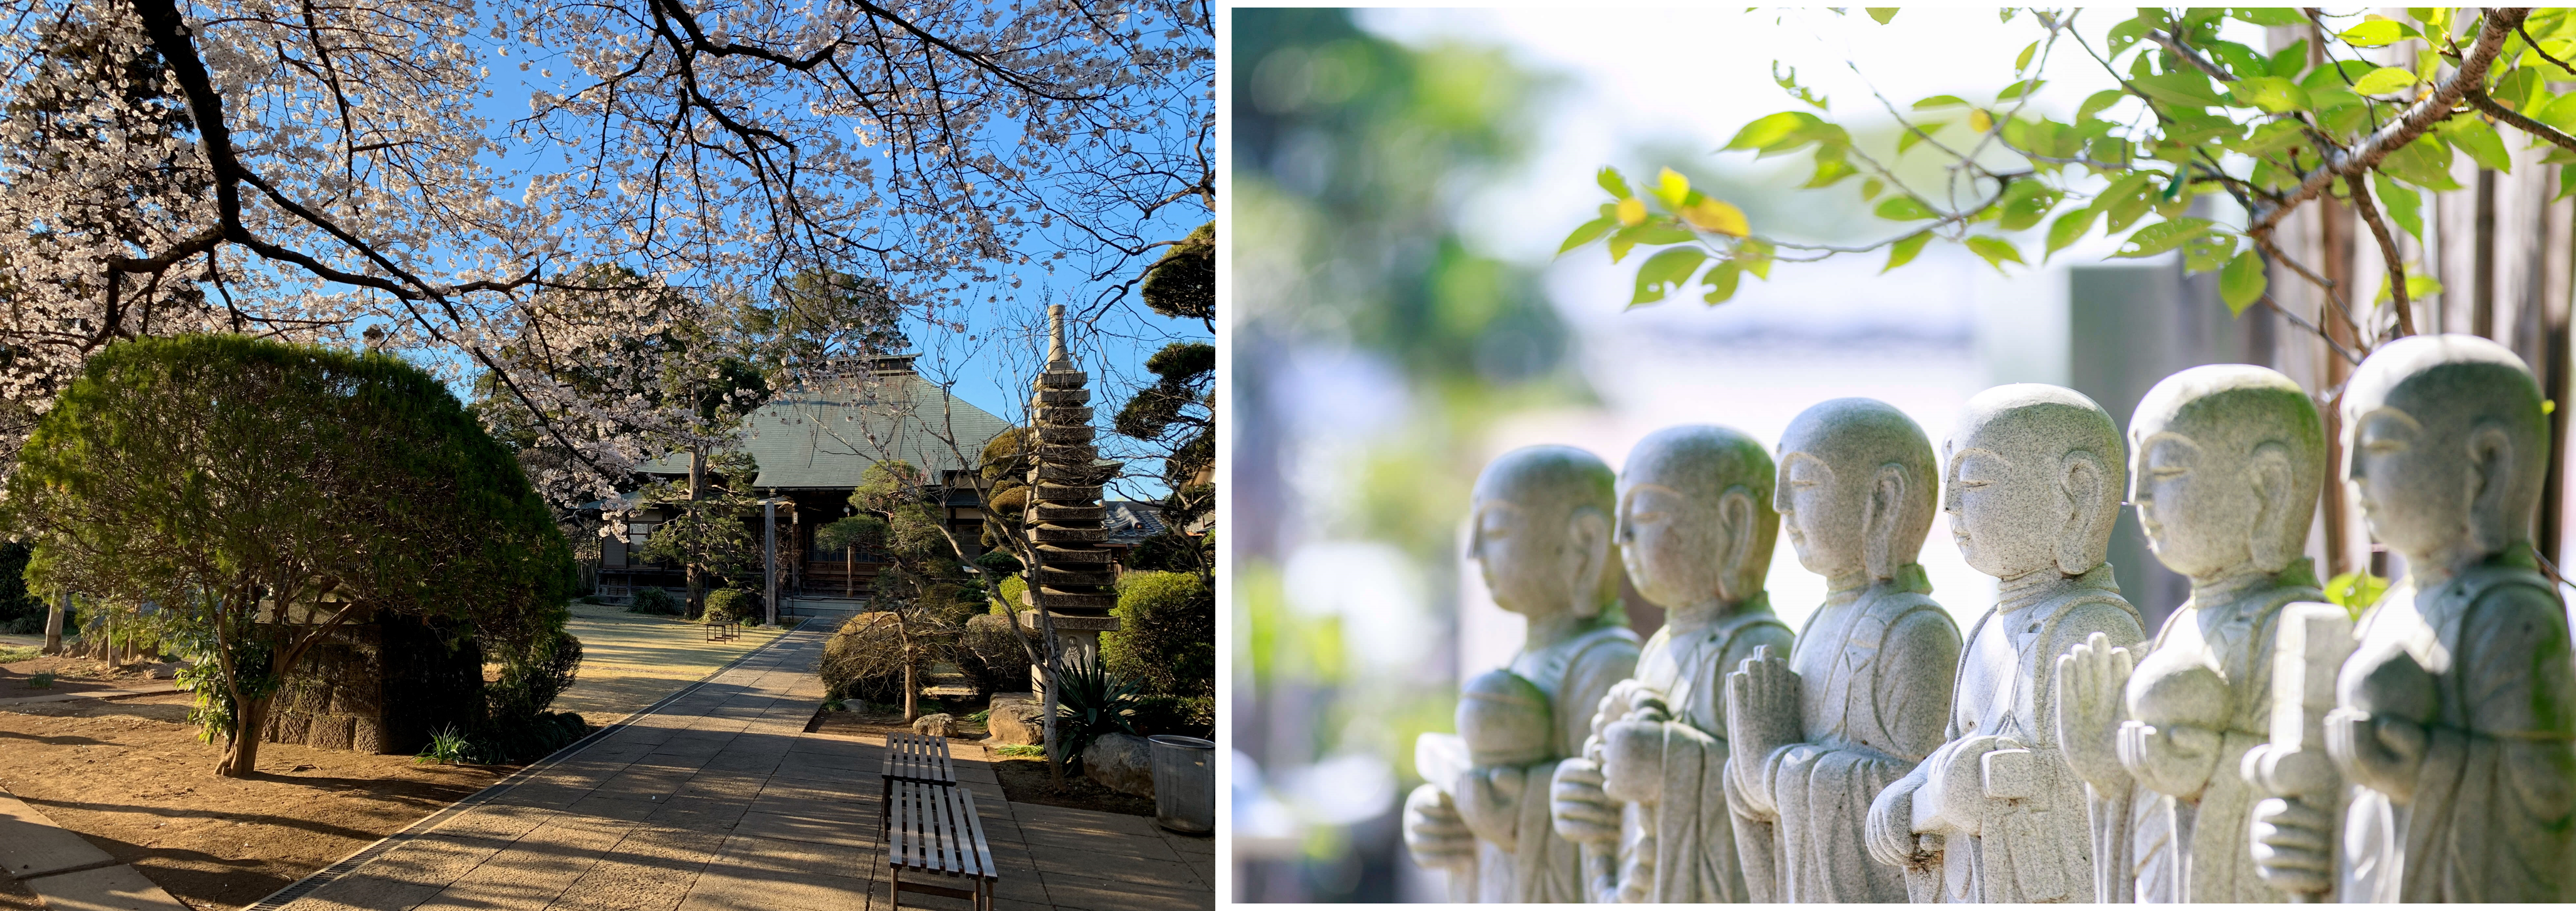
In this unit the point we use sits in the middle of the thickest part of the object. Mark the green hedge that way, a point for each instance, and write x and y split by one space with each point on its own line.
1166 638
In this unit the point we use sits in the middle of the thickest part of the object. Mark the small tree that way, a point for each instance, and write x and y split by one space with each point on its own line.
264 494
922 585
1178 414
847 535
706 535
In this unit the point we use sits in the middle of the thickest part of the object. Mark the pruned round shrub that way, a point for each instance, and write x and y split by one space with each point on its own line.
655 601
728 605
1188 716
989 650
1166 638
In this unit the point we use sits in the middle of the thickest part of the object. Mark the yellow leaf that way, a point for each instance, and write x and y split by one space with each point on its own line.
1717 217
1632 211
1671 188
1980 121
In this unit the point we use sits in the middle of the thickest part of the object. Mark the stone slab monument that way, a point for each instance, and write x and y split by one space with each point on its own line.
1695 529
2228 462
1540 531
1818 729
2453 730
2033 484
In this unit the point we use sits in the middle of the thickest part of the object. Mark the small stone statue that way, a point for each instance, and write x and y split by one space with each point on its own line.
2455 718
1541 533
2229 461
1696 530
1994 814
1818 730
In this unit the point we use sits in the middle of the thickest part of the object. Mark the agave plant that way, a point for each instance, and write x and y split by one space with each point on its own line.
1091 702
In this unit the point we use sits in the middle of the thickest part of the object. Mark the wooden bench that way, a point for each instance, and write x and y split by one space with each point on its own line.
934 831
915 758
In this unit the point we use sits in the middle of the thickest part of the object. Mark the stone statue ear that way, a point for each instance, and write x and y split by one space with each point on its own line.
1735 518
1880 517
2491 471
1587 555
2269 546
2080 481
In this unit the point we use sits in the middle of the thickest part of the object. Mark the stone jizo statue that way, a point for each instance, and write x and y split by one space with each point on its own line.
1994 814
2455 717
1540 531
1696 529
1818 729
2229 460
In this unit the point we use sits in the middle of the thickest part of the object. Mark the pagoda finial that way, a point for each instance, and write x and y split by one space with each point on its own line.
1057 357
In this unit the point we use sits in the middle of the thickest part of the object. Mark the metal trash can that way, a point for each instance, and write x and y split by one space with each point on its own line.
1184 783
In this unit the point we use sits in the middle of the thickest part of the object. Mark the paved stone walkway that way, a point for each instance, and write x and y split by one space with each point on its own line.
720 800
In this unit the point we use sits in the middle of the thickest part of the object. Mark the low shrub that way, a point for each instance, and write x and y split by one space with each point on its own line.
530 682
655 601
591 599
989 649
1188 716
447 747
526 739
727 605
41 680
863 661
11 654
1166 638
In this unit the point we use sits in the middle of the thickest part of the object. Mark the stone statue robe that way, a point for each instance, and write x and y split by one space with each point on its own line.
2200 849
1684 843
2493 813
2031 839
1542 866
1872 668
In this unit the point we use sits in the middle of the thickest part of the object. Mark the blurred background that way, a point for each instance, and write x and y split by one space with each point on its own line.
1402 180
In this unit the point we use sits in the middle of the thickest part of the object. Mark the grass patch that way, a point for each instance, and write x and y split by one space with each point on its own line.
1022 750
41 680
11 654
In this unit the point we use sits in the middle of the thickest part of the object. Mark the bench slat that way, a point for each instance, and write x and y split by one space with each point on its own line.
975 827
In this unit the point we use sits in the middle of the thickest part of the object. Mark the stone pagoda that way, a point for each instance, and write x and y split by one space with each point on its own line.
1071 578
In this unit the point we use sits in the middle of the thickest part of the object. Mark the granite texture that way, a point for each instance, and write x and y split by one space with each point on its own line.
2033 484
2229 459
1820 728
2454 719
1695 530
1540 526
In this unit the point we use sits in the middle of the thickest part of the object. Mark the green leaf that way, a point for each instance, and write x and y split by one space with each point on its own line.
1881 13
1922 131
2207 252
2024 204
2355 591
2471 135
1664 272
1904 251
2404 206
2290 61
1994 250
2242 282
2098 102
2273 94
2019 89
1671 189
1869 188
1778 132
2374 33
1830 171
1611 181
1754 254
2424 162
2240 60
1721 281
1941 101
2023 62
1905 208
1590 231
2069 228
2418 287
2267 16
2383 80
2187 89
2163 236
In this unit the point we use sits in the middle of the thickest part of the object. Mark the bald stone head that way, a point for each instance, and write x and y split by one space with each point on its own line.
2034 481
1857 488
1695 521
2230 458
2445 447
1541 531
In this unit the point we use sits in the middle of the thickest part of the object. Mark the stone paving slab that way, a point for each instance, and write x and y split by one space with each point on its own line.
112 888
720 800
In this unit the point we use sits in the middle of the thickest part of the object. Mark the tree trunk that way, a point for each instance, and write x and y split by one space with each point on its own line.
250 723
849 570
54 623
107 644
911 689
697 489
